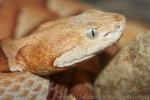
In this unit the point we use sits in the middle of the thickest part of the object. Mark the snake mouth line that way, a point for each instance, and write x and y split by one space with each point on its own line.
72 62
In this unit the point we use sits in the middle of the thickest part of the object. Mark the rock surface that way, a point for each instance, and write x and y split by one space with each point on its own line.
133 28
127 77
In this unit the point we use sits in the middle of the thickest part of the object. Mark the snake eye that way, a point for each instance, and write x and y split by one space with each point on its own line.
91 33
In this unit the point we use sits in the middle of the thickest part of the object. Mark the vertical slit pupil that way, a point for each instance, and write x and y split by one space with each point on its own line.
93 34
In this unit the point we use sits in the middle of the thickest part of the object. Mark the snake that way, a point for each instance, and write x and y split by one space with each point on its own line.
54 47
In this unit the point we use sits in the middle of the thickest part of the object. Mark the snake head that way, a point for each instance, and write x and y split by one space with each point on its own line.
97 30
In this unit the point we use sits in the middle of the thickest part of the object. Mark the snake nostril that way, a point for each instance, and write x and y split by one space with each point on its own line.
118 27
107 33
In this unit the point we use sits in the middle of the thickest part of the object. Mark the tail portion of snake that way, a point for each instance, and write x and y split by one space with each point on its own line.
23 86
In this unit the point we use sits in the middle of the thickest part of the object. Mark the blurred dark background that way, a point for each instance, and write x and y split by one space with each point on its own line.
135 9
